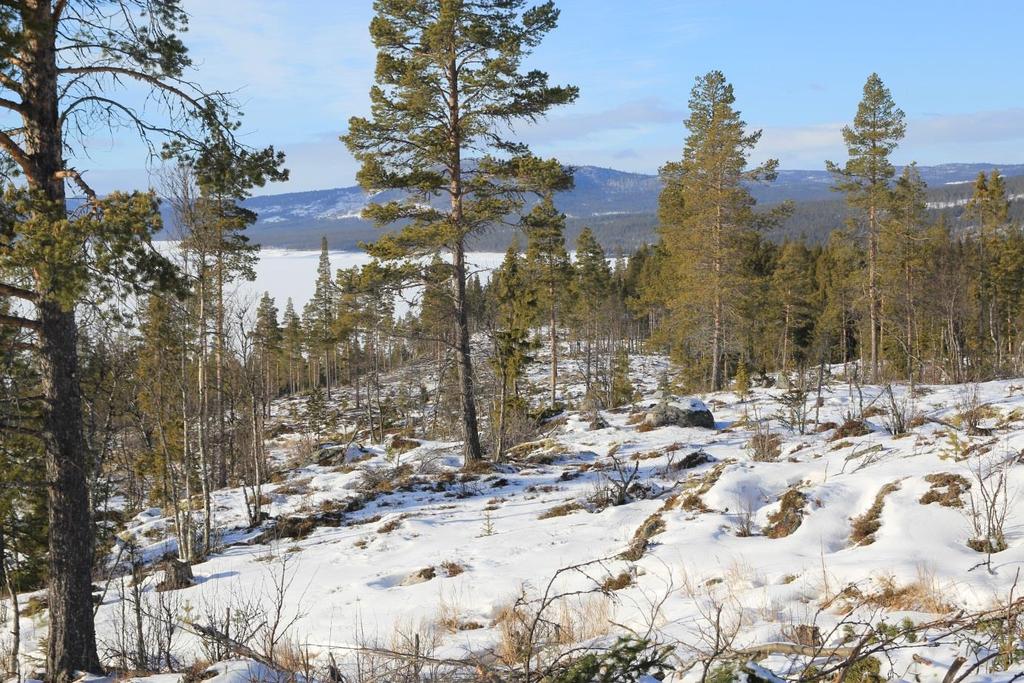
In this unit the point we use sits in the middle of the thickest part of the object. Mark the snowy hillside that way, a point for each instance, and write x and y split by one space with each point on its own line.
796 538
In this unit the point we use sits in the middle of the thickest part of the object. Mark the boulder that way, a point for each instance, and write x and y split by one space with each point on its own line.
680 413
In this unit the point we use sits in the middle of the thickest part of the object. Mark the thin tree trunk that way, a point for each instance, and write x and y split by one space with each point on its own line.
13 666
553 334
873 289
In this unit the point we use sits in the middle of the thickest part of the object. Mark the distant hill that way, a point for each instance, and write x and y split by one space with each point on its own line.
619 207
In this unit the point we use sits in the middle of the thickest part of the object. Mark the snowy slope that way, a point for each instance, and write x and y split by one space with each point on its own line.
441 553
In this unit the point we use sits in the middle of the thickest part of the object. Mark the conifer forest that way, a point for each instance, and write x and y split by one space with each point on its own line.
768 426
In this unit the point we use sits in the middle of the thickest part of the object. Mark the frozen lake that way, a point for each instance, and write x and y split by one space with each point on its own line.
292 273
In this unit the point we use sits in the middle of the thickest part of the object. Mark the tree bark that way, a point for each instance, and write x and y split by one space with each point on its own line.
71 645
72 637
463 351
873 287
467 395
553 332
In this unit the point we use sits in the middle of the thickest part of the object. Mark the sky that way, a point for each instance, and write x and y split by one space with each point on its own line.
301 68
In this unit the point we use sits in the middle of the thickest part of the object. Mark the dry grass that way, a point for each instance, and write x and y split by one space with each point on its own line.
294 487
571 620
765 447
388 527
788 517
712 477
864 527
692 502
617 583
452 568
849 429
289 655
450 612
924 594
561 510
946 489
583 618
652 526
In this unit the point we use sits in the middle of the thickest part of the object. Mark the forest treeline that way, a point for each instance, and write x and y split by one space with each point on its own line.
135 375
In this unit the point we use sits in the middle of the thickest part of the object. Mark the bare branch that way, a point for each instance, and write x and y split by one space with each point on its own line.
18 321
18 292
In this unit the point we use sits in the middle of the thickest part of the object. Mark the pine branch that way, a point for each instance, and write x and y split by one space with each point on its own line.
75 176
155 81
11 147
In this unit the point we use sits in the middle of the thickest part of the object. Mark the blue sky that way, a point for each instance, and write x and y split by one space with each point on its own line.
302 67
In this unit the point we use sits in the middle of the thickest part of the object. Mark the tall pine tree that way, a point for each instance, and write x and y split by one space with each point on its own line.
877 129
449 82
705 209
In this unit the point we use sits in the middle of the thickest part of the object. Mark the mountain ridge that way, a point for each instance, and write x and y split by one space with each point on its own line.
620 206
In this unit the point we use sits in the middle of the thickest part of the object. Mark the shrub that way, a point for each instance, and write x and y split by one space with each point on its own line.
850 428
765 447
629 660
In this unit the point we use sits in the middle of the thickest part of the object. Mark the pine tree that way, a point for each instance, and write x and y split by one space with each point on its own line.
704 211
592 282
620 391
516 306
319 314
995 255
268 338
449 83
741 381
838 274
71 71
317 413
877 129
905 261
549 264
792 289
294 340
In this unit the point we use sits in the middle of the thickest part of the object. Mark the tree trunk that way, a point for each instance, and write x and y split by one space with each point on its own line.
463 351
72 641
467 393
222 452
553 333
13 666
716 338
873 288
202 441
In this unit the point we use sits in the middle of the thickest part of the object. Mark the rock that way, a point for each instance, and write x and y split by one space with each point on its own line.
691 460
680 413
177 575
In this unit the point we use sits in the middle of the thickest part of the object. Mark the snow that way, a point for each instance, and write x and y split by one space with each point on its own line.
350 585
291 273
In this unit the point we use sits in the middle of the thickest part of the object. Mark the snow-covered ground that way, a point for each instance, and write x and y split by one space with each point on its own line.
408 544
